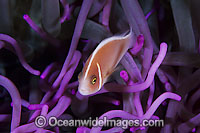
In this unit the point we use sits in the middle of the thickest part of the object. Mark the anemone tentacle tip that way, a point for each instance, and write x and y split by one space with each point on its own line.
25 16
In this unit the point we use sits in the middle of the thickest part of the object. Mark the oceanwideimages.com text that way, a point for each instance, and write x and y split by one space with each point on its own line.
41 121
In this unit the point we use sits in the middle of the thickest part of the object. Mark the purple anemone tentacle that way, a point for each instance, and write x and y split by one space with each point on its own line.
43 113
51 67
79 104
41 32
35 106
16 99
60 107
19 53
66 12
136 96
189 125
136 11
86 5
45 99
74 63
124 75
157 103
23 102
106 13
151 93
138 46
30 127
131 67
163 78
73 84
112 114
82 130
113 87
138 105
53 76
150 13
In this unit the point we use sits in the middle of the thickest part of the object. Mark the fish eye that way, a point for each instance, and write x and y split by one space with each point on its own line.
94 79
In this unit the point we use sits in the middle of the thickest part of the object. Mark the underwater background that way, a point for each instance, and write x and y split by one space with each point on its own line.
44 45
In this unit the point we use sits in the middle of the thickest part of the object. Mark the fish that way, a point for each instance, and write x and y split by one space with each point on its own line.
102 62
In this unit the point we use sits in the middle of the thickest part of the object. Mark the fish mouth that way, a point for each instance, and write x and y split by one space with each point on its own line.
85 92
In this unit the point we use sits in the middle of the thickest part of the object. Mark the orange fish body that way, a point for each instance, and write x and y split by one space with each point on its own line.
102 62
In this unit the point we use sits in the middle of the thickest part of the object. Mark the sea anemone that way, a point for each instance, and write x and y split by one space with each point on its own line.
45 44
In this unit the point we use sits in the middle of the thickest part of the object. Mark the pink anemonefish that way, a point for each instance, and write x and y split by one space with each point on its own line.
102 62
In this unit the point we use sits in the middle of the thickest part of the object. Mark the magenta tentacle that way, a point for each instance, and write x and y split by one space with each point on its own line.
30 127
113 114
67 77
136 96
25 103
77 33
45 99
48 69
141 22
106 13
66 12
151 93
168 87
138 105
73 84
35 106
19 53
124 75
61 90
60 107
82 130
140 87
81 102
41 32
147 115
150 13
44 110
43 113
158 101
131 67
162 76
53 76
138 46
16 99
190 124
